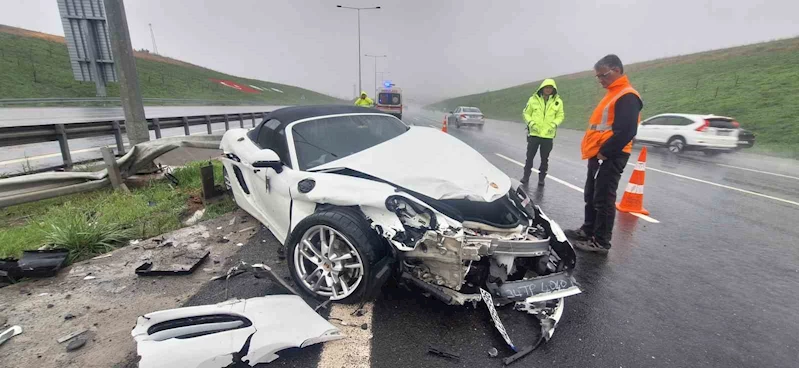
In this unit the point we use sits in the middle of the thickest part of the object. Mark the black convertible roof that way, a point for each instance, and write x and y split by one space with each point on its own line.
288 115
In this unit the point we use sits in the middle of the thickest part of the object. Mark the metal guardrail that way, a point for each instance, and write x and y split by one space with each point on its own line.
62 133
115 101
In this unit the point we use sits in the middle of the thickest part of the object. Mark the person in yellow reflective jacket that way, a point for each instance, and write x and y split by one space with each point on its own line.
543 113
364 100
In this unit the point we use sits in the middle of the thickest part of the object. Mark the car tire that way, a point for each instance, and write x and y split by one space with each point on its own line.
457 124
676 144
352 236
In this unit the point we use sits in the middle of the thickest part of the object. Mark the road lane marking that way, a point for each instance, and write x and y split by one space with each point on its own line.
355 349
760 171
721 185
572 186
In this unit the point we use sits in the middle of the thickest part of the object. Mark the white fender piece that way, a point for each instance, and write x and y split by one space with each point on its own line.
242 332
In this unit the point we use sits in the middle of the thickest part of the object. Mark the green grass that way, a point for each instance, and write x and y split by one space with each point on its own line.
756 84
36 68
95 222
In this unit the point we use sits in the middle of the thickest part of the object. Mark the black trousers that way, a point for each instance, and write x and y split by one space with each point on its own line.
533 144
600 197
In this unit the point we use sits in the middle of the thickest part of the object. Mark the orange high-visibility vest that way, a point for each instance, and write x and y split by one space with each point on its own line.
600 125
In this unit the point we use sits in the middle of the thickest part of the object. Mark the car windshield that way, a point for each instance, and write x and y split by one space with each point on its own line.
471 109
320 141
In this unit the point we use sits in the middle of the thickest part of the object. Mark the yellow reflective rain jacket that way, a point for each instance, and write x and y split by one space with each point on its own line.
365 102
544 116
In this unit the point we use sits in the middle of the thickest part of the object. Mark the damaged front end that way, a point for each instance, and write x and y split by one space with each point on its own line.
508 247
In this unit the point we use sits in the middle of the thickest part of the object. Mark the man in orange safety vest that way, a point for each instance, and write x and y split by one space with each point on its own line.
606 145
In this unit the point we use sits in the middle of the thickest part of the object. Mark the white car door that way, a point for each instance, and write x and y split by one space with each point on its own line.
270 186
652 130
273 197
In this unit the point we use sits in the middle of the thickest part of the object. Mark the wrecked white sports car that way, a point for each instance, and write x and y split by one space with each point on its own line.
356 196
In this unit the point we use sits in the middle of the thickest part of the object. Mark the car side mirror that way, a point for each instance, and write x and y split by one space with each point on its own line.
267 158
276 165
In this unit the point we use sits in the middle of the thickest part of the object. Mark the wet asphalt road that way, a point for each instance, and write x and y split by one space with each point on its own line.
715 283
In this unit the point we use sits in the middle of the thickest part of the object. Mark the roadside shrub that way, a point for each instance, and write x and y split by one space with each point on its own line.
82 233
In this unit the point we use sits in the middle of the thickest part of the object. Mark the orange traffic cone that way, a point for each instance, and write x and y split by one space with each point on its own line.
444 124
633 198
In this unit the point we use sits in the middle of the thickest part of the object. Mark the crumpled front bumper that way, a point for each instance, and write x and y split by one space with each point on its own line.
537 289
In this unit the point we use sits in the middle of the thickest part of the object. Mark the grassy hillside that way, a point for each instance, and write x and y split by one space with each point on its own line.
757 84
36 65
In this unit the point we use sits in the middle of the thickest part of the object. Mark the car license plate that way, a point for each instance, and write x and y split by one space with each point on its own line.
722 132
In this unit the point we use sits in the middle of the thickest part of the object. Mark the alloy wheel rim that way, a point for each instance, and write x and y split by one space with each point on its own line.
327 263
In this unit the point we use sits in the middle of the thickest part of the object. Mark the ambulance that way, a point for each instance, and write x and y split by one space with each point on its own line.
389 100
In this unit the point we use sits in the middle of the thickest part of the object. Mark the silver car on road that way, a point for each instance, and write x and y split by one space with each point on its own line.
466 116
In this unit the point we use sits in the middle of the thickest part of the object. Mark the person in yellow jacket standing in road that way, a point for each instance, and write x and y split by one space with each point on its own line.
543 113
364 100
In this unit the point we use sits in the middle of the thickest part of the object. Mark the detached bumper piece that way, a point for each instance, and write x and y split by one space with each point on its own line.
236 333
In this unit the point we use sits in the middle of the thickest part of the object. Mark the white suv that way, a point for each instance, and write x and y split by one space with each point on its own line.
680 132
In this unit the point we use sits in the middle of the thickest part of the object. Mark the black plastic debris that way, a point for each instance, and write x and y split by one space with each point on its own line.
149 269
443 354
34 263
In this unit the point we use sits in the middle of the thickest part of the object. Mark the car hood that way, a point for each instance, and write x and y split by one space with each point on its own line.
432 163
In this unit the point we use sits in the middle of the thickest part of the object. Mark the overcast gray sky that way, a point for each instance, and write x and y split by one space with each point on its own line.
435 48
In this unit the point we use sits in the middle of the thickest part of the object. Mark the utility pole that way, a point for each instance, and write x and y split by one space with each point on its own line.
152 36
129 92
375 57
360 87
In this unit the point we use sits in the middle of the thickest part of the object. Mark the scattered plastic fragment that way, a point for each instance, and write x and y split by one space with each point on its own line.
443 354
9 333
66 338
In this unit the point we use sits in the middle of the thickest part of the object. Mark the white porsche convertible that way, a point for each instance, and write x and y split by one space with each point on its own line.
356 197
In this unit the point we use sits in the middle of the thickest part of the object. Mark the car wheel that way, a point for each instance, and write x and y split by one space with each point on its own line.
331 254
676 144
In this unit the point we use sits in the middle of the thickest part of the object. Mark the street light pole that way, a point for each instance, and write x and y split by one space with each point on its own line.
375 57
358 10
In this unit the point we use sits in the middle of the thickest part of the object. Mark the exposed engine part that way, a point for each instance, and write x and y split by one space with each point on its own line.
443 260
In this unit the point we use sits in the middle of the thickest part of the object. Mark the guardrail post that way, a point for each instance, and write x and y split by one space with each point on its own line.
113 170
157 126
241 121
227 123
61 134
118 137
186 125
208 124
252 115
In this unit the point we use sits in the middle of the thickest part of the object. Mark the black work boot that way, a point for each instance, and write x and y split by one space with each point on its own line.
525 178
541 178
591 246
576 235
